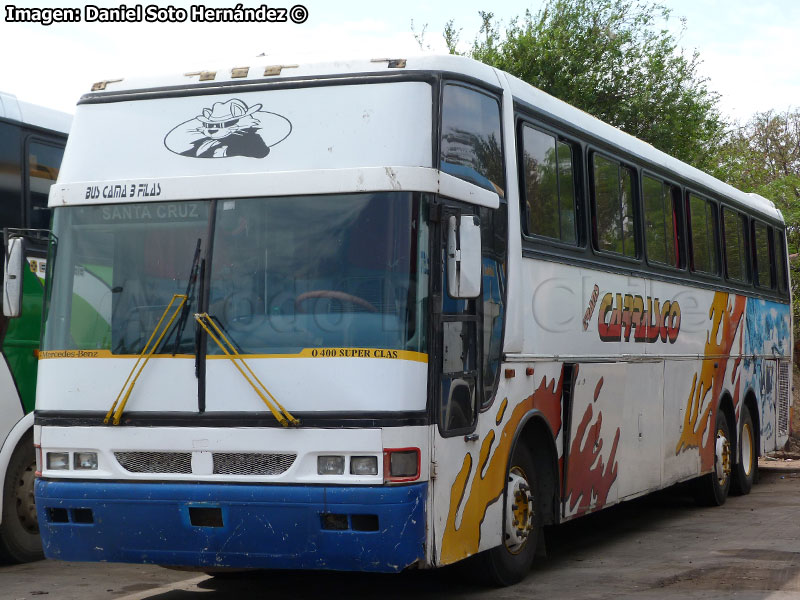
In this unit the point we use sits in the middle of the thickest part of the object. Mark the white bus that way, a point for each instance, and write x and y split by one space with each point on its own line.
387 314
31 146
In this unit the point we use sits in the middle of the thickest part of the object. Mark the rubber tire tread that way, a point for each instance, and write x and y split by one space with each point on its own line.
742 483
705 488
16 544
501 568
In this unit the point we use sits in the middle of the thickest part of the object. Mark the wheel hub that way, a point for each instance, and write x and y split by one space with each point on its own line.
24 500
747 449
723 458
519 511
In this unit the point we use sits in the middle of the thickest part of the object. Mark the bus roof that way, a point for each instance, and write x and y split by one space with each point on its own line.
274 69
31 114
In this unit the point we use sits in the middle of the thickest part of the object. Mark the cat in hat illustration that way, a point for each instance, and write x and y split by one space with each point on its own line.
228 129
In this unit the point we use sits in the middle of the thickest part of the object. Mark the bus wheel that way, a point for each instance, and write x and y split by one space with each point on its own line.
19 531
511 561
744 472
712 489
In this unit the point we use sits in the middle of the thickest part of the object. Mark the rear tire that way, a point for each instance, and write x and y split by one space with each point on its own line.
712 489
746 468
511 561
19 531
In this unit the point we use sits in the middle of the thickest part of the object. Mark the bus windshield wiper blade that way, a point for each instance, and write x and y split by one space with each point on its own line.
209 325
115 412
190 287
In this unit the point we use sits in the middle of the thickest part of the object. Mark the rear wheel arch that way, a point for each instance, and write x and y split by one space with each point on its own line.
726 406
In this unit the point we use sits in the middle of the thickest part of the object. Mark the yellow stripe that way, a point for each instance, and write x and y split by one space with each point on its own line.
379 353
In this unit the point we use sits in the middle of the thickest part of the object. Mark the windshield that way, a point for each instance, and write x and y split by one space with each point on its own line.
116 268
286 273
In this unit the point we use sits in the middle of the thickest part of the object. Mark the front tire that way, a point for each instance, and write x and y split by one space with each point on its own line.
712 489
746 468
19 531
511 561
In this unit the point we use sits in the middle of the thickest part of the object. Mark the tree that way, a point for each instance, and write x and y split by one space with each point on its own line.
616 60
763 156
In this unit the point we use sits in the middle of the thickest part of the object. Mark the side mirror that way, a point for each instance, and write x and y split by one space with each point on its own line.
12 277
464 256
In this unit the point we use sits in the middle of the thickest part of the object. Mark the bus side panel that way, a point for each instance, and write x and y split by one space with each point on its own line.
768 338
745 340
594 456
10 406
468 489
642 431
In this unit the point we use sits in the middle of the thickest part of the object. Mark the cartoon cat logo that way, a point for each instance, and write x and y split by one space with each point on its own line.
229 129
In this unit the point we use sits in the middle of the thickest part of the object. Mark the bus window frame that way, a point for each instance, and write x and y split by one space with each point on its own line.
783 283
745 218
715 204
495 94
680 215
577 147
773 283
29 138
591 152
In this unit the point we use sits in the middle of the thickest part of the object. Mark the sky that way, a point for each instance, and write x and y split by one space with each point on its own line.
749 49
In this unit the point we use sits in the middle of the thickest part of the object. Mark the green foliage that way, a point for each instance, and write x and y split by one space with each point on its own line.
763 156
616 60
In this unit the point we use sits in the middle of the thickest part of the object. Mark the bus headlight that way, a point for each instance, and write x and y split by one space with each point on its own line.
330 465
58 461
364 465
85 461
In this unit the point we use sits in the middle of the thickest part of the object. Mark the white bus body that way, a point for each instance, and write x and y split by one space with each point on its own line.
432 428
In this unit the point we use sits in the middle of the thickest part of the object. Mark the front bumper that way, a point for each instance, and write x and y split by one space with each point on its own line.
374 528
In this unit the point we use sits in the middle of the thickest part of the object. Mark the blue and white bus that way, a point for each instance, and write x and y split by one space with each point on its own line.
388 314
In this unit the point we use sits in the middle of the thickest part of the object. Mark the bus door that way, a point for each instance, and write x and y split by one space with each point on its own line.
465 368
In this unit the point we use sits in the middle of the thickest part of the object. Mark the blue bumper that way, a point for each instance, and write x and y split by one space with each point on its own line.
211 525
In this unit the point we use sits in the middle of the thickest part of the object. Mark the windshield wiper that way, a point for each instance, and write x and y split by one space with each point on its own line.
214 331
190 287
147 352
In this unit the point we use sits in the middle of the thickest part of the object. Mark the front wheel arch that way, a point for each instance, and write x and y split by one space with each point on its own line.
534 431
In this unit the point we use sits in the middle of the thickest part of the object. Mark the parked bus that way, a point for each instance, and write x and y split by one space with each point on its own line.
31 146
388 314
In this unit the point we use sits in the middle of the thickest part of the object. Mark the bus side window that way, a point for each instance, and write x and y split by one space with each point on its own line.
761 250
661 204
780 260
703 234
734 227
547 166
10 177
42 172
472 143
612 203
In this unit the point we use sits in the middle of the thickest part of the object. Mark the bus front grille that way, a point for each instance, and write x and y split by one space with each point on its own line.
251 463
224 463
155 462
